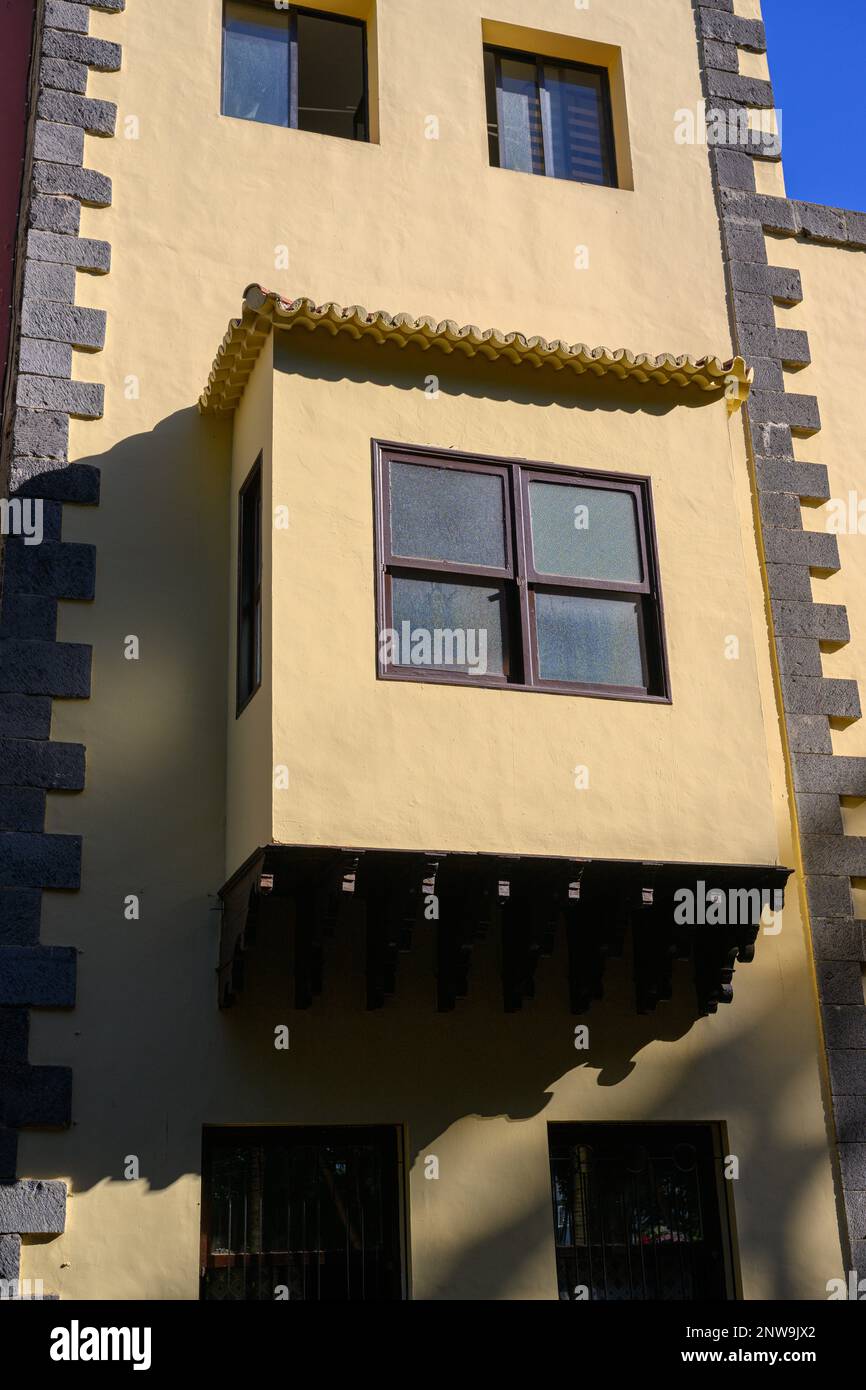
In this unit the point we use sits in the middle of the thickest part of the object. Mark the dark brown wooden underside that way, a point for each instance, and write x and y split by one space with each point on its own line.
527 900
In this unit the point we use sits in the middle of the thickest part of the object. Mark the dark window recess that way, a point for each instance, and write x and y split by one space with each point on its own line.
295 67
545 116
493 572
250 586
301 1214
639 1212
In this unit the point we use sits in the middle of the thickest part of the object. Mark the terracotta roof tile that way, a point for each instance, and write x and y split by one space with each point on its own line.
262 311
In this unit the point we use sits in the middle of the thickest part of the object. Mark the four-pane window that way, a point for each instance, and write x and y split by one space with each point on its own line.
505 573
499 573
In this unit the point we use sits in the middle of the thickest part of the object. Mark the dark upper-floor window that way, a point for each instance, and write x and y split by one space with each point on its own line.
639 1212
301 1213
515 574
545 116
295 67
250 586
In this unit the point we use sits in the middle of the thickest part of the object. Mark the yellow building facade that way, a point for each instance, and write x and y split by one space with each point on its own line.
417 954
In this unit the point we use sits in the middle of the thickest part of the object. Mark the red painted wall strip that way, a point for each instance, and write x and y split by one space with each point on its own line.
16 37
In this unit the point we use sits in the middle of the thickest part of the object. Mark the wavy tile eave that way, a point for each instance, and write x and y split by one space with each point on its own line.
263 311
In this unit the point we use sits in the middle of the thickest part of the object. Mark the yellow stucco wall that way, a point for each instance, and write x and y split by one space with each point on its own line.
406 765
203 205
249 745
834 279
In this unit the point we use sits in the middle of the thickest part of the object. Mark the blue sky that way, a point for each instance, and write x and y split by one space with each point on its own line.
817 50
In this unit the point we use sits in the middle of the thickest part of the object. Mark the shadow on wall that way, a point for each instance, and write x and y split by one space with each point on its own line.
152 1057
317 356
151 815
154 727
407 1064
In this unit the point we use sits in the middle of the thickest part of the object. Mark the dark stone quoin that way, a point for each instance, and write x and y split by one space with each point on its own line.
774 416
40 398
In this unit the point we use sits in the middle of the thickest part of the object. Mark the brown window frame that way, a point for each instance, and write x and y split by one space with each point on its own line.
493 98
292 13
249 655
520 580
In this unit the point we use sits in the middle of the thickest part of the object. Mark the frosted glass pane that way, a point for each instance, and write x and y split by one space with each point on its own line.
585 533
445 514
574 111
593 641
451 626
521 141
256 64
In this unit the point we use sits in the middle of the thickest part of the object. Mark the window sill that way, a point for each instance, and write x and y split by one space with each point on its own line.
556 179
591 692
295 130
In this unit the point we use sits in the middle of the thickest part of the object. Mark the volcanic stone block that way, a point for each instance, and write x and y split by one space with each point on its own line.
60 15
71 482
83 328
845 1025
37 976
37 357
81 252
840 982
63 75
808 480
60 144
96 53
47 281
40 763
10 1258
41 433
61 669
88 186
54 215
784 285
809 733
95 117
33 1207
60 569
39 861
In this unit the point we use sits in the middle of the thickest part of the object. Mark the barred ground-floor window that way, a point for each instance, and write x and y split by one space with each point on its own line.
640 1212
302 1213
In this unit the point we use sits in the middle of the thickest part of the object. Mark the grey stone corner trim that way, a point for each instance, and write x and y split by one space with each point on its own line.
43 395
41 398
10 1258
32 1208
773 417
